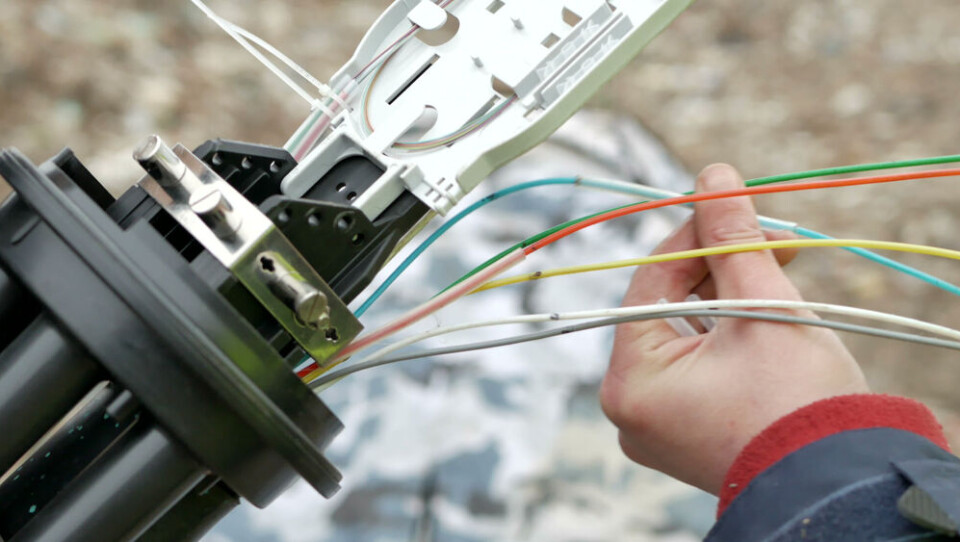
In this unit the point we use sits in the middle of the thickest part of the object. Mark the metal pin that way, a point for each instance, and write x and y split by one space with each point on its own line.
308 304
160 161
312 309
216 212
477 62
517 23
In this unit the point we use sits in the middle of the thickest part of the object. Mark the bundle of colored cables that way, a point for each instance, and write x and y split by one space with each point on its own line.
608 317
646 192
479 279
495 265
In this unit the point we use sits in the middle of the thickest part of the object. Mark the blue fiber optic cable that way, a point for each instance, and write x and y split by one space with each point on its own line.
449 224
892 264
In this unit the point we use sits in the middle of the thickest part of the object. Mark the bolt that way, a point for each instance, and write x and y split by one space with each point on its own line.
309 305
160 161
312 309
213 208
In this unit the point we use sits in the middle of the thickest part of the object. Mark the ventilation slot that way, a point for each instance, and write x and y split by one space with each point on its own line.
413 79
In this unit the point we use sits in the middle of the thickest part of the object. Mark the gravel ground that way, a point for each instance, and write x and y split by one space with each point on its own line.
768 86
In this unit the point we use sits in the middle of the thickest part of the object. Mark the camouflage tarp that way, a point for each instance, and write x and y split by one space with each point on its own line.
506 444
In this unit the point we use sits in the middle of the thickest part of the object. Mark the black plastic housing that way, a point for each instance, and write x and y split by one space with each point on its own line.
141 385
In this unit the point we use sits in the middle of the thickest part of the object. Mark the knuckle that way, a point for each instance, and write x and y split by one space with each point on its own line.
736 231
683 274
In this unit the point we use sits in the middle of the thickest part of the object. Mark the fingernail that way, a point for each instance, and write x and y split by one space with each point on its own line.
719 177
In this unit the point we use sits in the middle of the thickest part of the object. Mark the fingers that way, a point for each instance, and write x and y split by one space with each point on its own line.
708 288
671 280
733 221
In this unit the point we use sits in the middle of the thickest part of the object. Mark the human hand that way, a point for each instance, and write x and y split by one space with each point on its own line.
687 405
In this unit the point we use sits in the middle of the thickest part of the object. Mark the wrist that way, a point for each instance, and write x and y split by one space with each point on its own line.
820 420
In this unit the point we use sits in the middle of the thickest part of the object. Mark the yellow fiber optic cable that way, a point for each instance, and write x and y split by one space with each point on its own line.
727 249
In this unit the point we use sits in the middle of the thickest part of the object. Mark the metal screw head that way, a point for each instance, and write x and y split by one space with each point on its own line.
312 309
212 207
148 148
160 161
207 200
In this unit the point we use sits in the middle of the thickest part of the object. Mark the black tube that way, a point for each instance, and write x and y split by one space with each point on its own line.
60 456
43 374
17 309
195 514
122 494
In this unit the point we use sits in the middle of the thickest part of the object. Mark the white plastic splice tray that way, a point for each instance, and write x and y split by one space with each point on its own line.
503 74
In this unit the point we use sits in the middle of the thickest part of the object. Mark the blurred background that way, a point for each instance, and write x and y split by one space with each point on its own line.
770 87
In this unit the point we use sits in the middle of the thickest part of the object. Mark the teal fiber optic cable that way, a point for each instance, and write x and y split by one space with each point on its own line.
449 224
893 264
653 193
776 224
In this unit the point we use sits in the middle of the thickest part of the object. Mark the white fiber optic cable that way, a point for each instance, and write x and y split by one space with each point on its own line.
707 322
825 308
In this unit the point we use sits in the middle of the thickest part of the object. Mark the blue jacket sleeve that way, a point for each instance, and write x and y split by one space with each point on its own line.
850 486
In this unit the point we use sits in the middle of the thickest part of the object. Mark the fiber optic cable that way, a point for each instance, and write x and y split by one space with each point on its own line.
893 264
720 194
376 361
621 186
725 249
462 287
420 312
776 224
464 131
232 31
474 283
415 146
451 222
754 187
822 308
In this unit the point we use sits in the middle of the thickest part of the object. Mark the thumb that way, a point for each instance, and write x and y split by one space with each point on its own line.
733 221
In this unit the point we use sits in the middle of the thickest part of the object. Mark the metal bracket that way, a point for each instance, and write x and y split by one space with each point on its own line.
247 243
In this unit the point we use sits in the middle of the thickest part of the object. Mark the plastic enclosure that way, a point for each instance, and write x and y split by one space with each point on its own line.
464 61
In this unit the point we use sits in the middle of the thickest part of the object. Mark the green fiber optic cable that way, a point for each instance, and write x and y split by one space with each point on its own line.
305 128
843 170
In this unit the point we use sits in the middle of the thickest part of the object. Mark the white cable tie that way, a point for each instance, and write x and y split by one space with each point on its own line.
680 325
335 96
228 27
707 322
323 89
318 104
